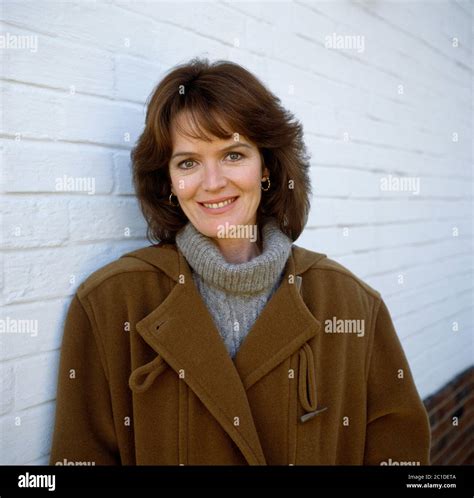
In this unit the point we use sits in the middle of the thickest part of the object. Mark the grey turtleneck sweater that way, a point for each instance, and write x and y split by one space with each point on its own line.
235 294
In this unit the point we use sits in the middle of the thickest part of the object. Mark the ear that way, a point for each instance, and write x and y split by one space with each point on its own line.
265 171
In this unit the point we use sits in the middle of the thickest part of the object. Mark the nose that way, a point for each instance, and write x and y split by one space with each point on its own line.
213 178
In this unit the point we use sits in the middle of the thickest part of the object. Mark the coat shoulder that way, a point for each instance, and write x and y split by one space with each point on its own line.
127 265
335 272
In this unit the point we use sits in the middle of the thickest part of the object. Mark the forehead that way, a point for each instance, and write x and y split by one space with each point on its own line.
186 131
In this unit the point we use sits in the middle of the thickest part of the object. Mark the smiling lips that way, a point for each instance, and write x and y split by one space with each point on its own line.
218 205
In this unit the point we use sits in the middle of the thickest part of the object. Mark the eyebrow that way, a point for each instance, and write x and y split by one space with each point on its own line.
233 146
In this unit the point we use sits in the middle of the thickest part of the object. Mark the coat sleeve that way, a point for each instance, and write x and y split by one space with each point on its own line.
398 430
83 430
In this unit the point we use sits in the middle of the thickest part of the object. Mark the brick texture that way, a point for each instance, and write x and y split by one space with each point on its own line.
398 107
451 412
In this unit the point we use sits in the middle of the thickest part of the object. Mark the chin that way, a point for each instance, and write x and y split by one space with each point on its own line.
210 228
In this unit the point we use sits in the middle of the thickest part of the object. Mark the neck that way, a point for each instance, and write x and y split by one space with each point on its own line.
239 250
254 275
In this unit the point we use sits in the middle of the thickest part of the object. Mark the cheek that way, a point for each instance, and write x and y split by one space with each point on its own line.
185 187
249 180
254 187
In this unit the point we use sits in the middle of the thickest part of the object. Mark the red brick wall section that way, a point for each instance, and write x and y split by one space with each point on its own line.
451 413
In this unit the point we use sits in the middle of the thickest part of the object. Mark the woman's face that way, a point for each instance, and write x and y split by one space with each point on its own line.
210 172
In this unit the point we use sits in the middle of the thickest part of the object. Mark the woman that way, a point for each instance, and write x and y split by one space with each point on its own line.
226 343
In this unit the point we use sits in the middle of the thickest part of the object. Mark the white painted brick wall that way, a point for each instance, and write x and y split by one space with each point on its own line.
75 106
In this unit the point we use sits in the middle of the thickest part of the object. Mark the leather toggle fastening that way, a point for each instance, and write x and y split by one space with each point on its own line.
307 378
310 415
148 372
307 384
142 377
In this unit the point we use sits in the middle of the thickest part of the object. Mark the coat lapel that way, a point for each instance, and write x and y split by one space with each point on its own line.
282 327
183 332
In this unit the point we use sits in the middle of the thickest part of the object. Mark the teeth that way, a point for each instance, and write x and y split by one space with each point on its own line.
220 204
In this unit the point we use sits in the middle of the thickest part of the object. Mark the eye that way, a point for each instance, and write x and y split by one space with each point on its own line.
189 163
182 163
236 153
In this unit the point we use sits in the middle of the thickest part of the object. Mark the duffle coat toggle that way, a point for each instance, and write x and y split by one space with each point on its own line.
307 384
307 391
142 378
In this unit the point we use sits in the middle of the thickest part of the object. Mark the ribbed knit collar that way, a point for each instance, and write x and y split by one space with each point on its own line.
256 275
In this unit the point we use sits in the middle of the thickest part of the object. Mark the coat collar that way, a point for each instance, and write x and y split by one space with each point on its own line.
170 260
182 331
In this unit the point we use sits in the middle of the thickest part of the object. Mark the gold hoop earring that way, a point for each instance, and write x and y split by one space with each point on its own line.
174 205
268 184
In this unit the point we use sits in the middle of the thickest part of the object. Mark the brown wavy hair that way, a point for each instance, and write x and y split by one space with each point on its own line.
221 97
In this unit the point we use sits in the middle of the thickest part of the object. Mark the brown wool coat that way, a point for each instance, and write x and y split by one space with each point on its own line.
145 377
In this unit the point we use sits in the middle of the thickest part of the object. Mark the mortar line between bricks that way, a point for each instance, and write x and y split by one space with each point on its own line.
421 288
233 8
402 174
409 221
90 46
417 266
397 246
376 170
437 407
422 380
62 196
388 72
466 290
376 145
138 106
422 41
48 299
460 294
20 413
447 361
315 197
468 442
430 326
69 243
400 294
460 6
381 20
83 43
414 199
174 25
442 451
362 252
461 369
65 91
406 296
60 141
458 381
31 355
394 223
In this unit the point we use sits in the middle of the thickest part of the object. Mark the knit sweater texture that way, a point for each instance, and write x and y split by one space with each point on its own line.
235 294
